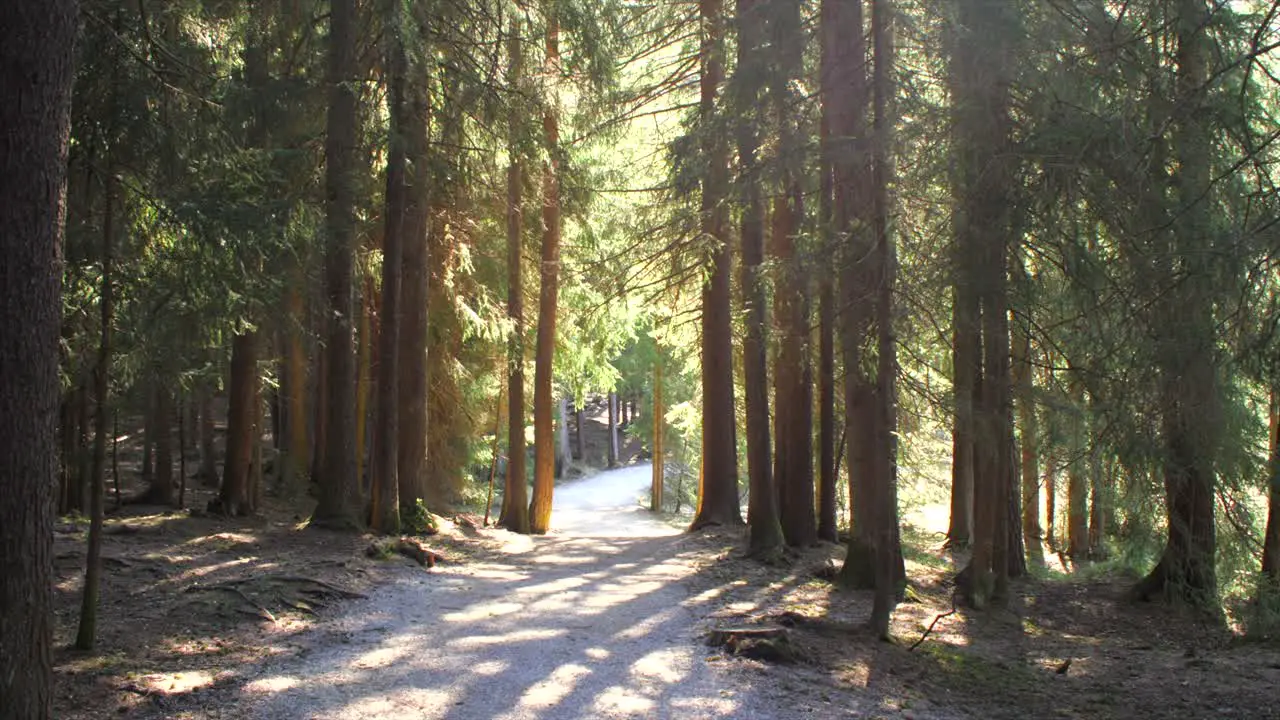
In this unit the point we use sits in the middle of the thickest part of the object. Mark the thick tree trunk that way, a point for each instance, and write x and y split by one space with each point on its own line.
385 482
762 506
366 334
515 503
36 54
339 502
543 401
293 460
827 496
235 498
411 385
718 499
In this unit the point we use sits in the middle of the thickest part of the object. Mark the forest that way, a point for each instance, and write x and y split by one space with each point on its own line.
920 358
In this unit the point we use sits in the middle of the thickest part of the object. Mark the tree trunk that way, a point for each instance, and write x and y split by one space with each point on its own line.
718 499
515 507
293 460
543 430
1078 481
208 471
762 507
827 497
613 429
1271 538
339 504
1029 465
366 333
564 454
86 635
411 386
385 482
579 446
658 482
36 68
161 490
235 498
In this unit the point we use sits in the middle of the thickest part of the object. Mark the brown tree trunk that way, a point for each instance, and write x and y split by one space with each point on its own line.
384 480
86 634
1029 465
293 460
827 497
564 454
235 498
718 499
1271 538
1078 481
580 445
36 67
366 338
762 506
543 429
339 504
515 507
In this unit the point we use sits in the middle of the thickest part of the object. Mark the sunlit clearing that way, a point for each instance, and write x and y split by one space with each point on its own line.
175 683
515 636
555 687
662 665
275 684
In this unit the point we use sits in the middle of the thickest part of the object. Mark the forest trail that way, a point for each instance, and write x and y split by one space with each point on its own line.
592 620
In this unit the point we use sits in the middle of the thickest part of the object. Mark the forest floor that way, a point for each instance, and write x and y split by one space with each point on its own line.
206 617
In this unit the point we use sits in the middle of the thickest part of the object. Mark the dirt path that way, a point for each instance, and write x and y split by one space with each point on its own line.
593 620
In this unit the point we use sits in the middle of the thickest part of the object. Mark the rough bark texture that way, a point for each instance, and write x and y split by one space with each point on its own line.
718 500
339 489
411 385
1029 464
829 39
762 504
384 482
235 497
544 355
36 39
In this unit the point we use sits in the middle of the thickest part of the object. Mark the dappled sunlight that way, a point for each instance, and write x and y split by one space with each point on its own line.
272 684
662 665
555 687
475 641
483 610
619 699
382 657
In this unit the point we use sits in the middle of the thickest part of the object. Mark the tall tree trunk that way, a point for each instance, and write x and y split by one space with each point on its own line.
718 499
762 506
235 497
1078 480
366 334
339 504
293 460
564 454
36 68
793 380
411 386
86 635
208 471
829 39
852 202
385 482
1029 465
543 430
515 504
579 442
890 573
658 482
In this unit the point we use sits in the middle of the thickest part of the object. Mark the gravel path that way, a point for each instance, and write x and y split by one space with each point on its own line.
593 621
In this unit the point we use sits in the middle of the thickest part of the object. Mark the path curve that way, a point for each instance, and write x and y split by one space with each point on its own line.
594 621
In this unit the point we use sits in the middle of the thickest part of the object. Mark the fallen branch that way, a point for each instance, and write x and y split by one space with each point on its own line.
929 629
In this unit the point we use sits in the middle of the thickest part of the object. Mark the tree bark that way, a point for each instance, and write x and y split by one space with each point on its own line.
293 460
385 481
658 483
339 487
1078 480
564 453
515 503
235 498
613 429
1271 537
36 69
765 535
1029 465
718 499
544 357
